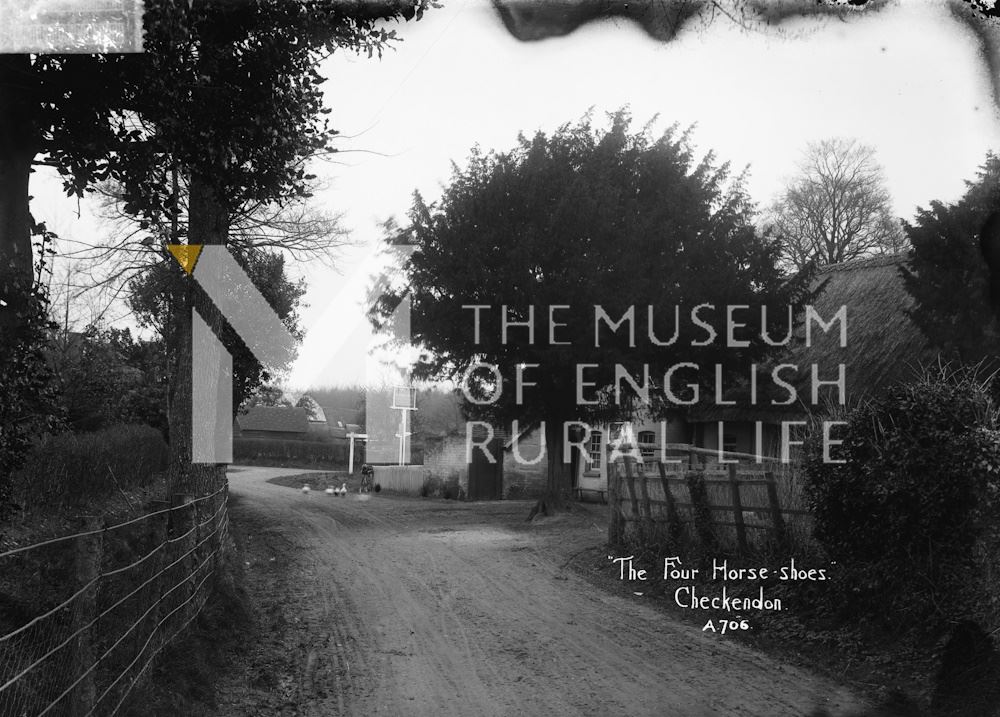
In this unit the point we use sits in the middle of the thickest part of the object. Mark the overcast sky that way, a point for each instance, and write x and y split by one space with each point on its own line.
908 80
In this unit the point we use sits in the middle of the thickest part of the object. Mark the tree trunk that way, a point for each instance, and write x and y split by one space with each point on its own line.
559 475
208 223
18 147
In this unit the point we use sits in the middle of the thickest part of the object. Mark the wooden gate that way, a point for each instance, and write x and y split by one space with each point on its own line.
485 478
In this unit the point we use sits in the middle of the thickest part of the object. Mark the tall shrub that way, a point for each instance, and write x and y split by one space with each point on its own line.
914 498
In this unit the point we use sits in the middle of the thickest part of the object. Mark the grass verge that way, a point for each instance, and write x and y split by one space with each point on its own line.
185 675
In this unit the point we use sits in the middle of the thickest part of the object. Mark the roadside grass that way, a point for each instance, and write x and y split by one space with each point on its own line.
116 473
76 471
273 462
319 481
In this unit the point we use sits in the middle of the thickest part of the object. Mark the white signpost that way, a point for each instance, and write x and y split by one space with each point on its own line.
404 400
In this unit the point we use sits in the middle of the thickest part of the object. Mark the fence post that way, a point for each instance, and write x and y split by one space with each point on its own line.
700 508
161 530
673 518
614 504
220 514
777 519
201 550
183 521
630 483
87 570
741 529
647 509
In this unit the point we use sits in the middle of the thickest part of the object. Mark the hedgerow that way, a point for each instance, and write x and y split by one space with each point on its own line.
910 513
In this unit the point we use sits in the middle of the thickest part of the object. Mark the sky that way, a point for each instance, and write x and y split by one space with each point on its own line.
908 80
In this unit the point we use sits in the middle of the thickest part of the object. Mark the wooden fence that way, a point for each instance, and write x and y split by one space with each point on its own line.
407 480
734 506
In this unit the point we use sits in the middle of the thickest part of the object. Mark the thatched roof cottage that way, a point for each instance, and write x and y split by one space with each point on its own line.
883 346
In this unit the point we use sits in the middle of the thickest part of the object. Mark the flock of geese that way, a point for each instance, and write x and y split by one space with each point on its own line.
342 490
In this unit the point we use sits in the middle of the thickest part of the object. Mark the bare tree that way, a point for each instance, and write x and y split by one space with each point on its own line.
103 268
836 208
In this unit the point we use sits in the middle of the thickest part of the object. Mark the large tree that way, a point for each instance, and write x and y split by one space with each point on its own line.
567 222
836 207
154 292
946 273
227 93
213 76
238 105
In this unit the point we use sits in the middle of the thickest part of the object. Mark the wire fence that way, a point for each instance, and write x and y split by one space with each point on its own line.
83 616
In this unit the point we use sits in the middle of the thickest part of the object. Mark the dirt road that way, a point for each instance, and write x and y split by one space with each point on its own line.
407 607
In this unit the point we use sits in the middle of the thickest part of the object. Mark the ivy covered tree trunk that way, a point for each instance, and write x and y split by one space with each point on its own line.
18 147
208 224
26 409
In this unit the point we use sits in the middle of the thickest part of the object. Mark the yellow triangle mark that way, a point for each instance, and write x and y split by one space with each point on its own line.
185 254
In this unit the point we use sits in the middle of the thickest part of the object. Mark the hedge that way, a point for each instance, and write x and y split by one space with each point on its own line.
74 468
912 513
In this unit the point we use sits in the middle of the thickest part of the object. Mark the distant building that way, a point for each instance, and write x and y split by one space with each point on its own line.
315 411
447 459
342 420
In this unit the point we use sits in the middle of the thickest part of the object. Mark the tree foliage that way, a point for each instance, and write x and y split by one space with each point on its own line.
266 395
581 218
906 514
226 88
107 377
836 208
946 274
226 92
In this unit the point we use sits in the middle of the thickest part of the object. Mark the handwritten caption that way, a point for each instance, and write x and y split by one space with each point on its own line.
691 593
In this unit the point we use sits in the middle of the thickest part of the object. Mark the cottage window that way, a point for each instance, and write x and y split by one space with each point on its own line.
594 451
647 443
729 441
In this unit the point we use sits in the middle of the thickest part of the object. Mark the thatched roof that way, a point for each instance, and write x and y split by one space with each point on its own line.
884 346
312 407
